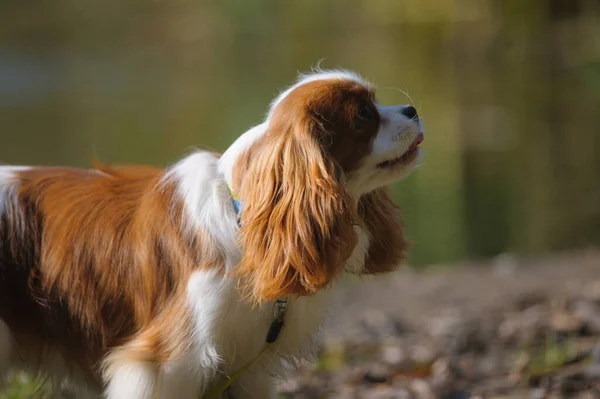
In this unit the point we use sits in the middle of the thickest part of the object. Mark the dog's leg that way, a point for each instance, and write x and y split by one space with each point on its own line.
128 378
253 385
133 380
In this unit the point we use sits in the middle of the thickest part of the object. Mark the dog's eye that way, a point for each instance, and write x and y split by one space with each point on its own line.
365 111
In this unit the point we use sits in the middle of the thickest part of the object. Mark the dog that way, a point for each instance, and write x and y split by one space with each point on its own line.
137 282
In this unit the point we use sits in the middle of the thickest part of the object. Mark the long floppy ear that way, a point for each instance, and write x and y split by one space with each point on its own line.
297 223
382 218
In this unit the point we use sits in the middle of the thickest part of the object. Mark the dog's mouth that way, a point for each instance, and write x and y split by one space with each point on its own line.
405 158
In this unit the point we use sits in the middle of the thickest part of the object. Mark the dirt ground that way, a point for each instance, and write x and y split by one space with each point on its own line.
506 328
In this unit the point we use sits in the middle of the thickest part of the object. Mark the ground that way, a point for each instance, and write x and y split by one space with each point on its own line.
508 328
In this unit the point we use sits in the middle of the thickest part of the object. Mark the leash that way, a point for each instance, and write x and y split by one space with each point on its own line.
279 310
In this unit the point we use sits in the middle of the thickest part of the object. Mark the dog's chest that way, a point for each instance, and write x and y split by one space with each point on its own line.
232 331
301 324
303 318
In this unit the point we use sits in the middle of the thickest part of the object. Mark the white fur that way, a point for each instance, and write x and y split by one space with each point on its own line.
8 182
207 199
131 380
357 259
227 160
395 136
230 332
396 133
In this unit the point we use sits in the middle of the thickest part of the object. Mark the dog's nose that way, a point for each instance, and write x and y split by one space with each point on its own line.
410 112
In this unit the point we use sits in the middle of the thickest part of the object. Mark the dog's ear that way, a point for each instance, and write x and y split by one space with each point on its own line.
297 223
383 221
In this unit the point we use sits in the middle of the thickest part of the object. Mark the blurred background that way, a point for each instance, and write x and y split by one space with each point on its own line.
509 91
509 94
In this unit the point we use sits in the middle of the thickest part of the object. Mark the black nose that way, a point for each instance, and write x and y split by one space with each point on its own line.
410 112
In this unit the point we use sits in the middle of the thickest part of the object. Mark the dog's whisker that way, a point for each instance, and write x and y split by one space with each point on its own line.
405 92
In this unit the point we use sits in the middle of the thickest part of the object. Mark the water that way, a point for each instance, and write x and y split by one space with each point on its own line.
509 92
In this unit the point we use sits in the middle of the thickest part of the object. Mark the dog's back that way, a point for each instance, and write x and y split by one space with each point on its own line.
67 239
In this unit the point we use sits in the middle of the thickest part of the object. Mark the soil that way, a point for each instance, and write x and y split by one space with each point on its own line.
506 328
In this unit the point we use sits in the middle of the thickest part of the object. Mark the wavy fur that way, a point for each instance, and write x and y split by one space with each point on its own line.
297 228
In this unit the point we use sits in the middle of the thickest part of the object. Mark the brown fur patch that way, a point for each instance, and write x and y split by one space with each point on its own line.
96 259
384 223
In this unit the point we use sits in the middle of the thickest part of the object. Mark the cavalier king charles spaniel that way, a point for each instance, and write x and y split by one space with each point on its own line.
137 283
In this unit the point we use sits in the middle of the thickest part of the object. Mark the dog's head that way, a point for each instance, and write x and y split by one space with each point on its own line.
311 173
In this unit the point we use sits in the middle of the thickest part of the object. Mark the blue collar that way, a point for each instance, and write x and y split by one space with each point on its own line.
238 204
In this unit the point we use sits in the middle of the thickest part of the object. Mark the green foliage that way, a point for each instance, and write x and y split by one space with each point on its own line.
21 386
